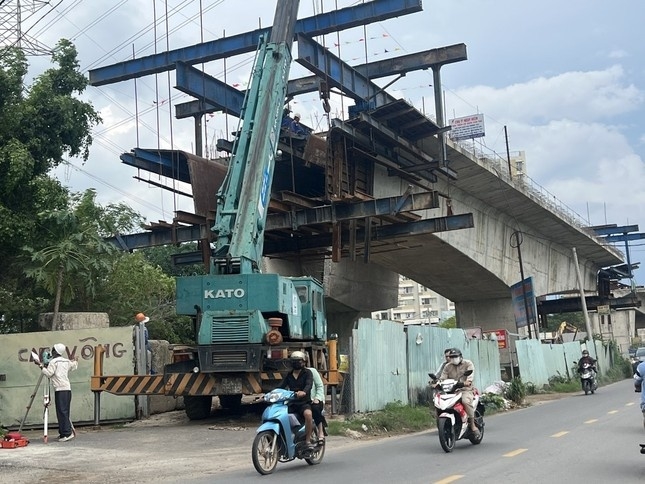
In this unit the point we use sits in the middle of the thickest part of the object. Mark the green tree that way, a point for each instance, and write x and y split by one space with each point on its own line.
72 259
74 262
39 125
108 220
451 322
134 285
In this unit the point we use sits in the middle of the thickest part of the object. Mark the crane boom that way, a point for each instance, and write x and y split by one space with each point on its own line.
243 198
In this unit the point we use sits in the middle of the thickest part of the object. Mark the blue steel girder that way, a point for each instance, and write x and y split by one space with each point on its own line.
213 95
161 236
378 233
168 163
341 211
339 74
208 90
613 229
623 238
326 214
322 24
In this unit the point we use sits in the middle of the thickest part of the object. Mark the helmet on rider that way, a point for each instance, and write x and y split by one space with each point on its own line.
585 353
297 360
455 356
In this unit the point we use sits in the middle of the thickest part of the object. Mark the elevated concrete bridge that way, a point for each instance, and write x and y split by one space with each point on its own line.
379 194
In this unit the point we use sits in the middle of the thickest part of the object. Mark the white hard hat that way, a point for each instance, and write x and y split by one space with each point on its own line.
60 348
297 115
297 355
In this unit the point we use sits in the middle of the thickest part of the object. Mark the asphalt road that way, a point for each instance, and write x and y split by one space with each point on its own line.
577 439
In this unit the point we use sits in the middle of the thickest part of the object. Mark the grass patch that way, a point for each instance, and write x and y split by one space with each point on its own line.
395 418
566 386
516 391
494 403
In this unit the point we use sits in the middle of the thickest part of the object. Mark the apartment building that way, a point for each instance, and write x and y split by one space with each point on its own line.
417 304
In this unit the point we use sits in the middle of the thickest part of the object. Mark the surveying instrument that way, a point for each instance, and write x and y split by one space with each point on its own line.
46 397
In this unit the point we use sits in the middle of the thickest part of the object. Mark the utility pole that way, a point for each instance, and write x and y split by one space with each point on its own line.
508 156
526 303
583 301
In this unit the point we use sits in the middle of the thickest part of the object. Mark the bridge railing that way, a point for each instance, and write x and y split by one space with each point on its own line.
498 164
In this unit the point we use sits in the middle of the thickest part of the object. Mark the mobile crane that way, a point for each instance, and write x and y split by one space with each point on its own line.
247 322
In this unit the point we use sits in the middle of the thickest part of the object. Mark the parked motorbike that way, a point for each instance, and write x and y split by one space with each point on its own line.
452 421
588 378
281 435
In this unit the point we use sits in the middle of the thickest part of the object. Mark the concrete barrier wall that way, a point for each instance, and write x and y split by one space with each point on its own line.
21 375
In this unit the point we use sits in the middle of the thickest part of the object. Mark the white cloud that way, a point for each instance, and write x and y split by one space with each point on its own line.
572 95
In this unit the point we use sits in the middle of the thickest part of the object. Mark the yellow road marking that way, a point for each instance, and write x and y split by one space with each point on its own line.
560 434
591 421
515 452
629 404
612 411
449 479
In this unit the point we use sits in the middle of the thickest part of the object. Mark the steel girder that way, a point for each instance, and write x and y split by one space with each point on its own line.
350 211
421 227
292 221
215 95
323 241
169 163
339 74
325 23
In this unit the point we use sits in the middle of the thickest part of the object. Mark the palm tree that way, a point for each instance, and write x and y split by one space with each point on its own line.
73 262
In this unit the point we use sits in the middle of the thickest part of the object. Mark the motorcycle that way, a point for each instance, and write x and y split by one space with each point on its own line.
588 379
281 435
452 420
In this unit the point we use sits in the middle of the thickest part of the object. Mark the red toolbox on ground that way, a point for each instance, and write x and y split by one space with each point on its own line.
13 440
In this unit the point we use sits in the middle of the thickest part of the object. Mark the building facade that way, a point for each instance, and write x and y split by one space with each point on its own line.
417 305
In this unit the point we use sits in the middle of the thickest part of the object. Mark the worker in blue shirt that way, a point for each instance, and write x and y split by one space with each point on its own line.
296 127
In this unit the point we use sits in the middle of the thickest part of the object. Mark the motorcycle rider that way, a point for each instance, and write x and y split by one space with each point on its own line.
300 380
639 376
455 370
588 360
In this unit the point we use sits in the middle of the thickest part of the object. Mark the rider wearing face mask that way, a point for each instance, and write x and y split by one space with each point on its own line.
300 380
455 370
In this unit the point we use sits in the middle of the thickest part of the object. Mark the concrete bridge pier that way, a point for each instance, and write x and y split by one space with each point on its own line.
489 314
353 289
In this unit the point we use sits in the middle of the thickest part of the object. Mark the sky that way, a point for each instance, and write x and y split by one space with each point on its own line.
566 79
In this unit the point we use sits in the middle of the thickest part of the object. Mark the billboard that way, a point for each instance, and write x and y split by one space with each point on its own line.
467 127
499 335
519 308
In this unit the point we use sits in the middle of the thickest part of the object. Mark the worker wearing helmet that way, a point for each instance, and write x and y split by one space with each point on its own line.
586 359
300 380
296 127
141 320
455 369
57 370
